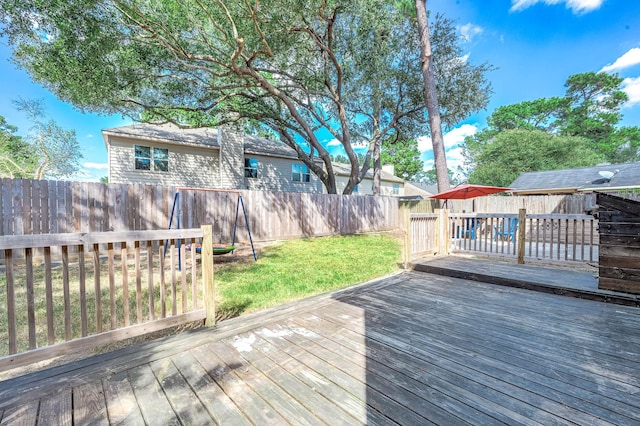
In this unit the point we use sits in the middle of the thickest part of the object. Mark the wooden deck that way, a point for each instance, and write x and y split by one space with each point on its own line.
414 348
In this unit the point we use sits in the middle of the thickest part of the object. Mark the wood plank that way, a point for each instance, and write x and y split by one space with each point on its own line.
96 288
615 284
56 409
255 408
483 370
611 202
219 406
627 274
619 228
89 404
184 402
37 241
619 240
281 401
22 414
11 302
307 396
381 357
427 401
151 399
48 282
122 406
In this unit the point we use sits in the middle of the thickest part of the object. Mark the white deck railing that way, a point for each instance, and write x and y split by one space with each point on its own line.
544 237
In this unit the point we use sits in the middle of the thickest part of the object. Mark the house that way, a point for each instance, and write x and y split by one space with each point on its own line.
390 184
609 177
419 190
218 159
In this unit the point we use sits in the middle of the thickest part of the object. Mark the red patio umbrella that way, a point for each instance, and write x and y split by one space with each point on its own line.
462 192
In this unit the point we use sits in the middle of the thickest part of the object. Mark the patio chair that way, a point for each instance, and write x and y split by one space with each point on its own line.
470 228
506 231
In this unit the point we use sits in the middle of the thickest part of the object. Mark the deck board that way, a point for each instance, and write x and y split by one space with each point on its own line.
414 348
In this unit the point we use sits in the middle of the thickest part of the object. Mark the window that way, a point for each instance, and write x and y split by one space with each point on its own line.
355 190
396 189
300 173
144 155
250 168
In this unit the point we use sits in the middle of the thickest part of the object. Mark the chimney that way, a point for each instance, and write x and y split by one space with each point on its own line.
231 140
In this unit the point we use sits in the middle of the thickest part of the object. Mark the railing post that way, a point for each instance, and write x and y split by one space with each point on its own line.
442 231
522 232
209 287
406 214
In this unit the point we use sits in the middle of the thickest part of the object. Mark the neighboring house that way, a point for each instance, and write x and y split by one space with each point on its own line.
204 158
390 184
218 159
419 190
610 177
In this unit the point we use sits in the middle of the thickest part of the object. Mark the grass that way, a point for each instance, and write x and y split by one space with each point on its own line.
284 272
302 268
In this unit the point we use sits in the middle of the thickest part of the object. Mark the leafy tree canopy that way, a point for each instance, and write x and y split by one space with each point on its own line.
590 110
512 152
17 159
404 155
293 66
55 152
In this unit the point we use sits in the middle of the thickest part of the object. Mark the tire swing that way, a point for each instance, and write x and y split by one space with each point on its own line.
220 248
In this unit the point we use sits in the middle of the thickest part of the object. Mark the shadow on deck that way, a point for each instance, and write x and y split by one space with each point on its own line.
412 348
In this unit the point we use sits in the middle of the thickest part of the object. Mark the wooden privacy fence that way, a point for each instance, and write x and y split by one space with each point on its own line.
42 207
541 237
112 286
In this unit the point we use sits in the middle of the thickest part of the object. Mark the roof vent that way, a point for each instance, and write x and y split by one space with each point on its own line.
607 174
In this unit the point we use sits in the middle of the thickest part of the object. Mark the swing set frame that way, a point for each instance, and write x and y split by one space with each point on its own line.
175 213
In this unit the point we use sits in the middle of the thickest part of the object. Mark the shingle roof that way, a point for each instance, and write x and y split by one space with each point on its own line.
583 179
170 133
203 136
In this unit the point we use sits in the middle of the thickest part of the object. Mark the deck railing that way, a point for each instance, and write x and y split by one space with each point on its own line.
65 292
545 237
542 237
422 235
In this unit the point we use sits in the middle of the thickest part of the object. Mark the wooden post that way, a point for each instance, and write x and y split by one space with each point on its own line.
406 213
522 232
209 287
442 231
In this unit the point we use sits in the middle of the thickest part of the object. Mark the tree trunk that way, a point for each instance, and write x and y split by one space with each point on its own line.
377 168
433 106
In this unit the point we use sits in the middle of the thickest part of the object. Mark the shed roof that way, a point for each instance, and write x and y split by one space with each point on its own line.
626 175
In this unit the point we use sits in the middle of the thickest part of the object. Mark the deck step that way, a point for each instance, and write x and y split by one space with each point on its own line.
566 282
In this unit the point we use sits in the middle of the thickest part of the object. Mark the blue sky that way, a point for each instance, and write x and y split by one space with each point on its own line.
535 45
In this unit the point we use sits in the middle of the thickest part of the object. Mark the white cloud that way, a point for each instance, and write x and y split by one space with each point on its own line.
631 86
576 6
629 59
99 166
469 31
334 142
452 139
89 136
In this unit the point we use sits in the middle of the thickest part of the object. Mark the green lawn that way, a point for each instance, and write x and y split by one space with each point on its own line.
300 268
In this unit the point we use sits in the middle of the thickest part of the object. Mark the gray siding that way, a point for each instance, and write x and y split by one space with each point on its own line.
274 174
231 157
188 166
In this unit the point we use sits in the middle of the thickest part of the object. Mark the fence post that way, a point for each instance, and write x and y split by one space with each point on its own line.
522 232
209 286
442 231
